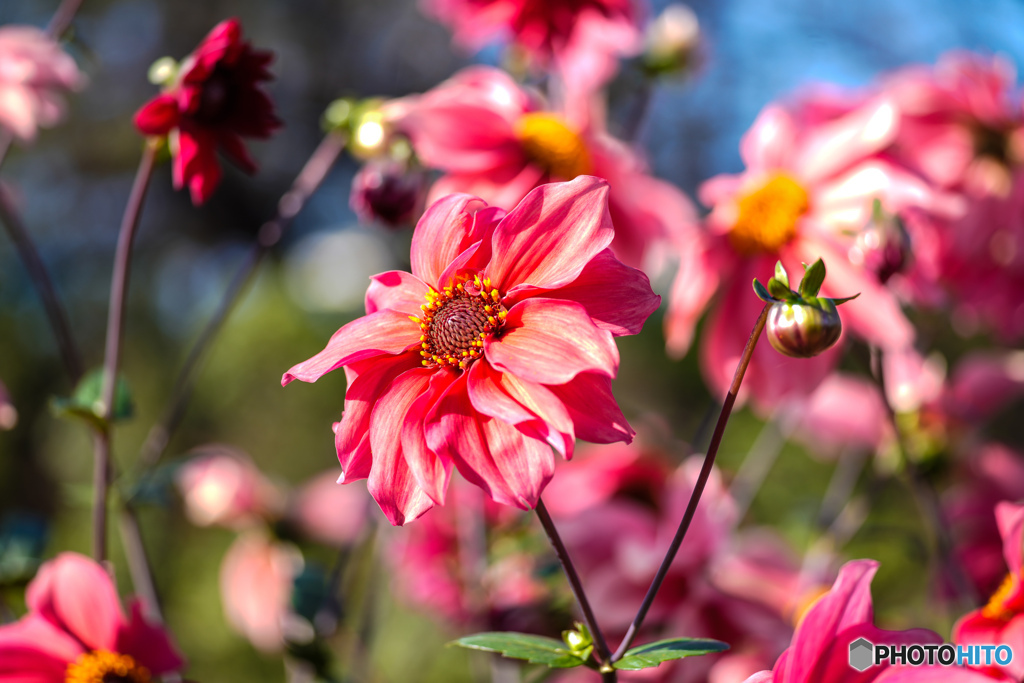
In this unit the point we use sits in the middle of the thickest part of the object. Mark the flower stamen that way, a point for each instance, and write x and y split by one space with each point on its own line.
457 320
998 607
103 666
768 216
552 145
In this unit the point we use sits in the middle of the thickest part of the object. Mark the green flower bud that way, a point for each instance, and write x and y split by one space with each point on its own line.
803 330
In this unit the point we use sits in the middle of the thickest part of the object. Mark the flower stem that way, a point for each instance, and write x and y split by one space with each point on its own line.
698 489
306 183
600 644
115 328
44 285
927 498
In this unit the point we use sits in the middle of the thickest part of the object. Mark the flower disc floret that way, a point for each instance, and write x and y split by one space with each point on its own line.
457 320
550 143
106 667
768 216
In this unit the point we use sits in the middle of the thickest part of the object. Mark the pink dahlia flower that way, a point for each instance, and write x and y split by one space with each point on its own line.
75 630
806 192
584 38
820 651
496 348
1001 621
222 486
34 74
212 103
497 141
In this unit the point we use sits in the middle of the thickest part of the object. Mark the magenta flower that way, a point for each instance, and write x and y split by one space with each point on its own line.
806 192
498 141
584 38
34 74
222 486
212 103
1001 621
820 650
496 348
76 631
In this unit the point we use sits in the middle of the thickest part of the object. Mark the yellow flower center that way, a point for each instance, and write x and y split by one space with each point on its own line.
553 146
456 321
997 608
768 216
102 666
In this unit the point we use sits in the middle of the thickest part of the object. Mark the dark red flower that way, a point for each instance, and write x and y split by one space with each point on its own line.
212 103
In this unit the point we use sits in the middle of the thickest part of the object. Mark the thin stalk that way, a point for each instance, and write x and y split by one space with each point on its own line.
698 489
755 467
306 183
927 498
112 357
138 565
600 644
40 277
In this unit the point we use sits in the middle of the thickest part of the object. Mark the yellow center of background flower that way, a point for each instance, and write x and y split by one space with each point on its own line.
553 146
106 667
768 216
996 607
456 321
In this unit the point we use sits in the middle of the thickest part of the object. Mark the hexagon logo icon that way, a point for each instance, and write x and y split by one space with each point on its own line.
861 654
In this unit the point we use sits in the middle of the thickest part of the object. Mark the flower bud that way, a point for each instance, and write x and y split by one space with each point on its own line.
388 191
883 246
803 330
672 41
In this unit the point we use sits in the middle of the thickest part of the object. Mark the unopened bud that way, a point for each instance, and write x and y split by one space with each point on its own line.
883 246
672 41
388 191
803 330
163 71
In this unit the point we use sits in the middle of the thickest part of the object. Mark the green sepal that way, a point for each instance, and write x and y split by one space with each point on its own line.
781 275
811 282
844 299
85 403
780 291
534 649
762 293
653 654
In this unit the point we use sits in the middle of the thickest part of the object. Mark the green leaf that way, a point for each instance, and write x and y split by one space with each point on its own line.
779 290
780 274
534 649
812 280
653 654
762 293
85 403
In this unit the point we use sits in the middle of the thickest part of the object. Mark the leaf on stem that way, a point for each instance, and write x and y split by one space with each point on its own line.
86 404
534 649
653 654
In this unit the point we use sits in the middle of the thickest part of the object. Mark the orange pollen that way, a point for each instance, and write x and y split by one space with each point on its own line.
768 216
997 607
553 146
102 666
457 320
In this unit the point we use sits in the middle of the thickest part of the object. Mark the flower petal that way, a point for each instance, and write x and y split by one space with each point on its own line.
550 341
595 414
838 144
511 468
770 141
432 472
549 238
35 642
446 230
77 594
392 482
366 384
1010 518
148 644
701 269
384 332
158 116
396 290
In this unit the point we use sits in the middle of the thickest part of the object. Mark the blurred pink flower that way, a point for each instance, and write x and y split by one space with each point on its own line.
498 141
34 74
819 652
498 347
222 486
1001 621
807 191
618 543
213 102
256 578
388 191
8 413
584 38
75 630
984 383
328 513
